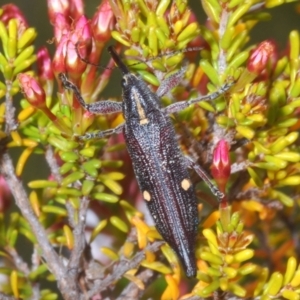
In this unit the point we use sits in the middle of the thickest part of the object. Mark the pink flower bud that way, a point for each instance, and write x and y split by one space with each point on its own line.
74 65
10 11
82 30
260 56
103 22
5 195
58 62
44 65
57 7
79 39
76 9
221 164
71 9
61 27
34 93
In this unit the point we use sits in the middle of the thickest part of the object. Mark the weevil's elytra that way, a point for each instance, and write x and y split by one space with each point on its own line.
159 166
151 145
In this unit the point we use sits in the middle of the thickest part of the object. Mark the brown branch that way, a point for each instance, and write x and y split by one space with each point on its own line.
18 261
238 167
79 239
54 169
68 287
35 263
52 163
194 298
36 295
6 297
78 232
10 122
23 267
132 291
120 270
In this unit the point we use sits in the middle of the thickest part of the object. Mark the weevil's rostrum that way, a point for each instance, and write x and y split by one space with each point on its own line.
160 169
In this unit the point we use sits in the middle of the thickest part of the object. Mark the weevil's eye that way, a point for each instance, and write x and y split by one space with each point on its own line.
124 82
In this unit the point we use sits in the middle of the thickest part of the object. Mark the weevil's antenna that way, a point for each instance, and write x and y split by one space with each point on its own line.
117 60
167 54
115 56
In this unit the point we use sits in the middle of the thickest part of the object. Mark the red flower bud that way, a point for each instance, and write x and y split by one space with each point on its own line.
82 30
76 9
58 62
44 65
66 58
103 22
10 11
57 7
221 164
34 93
71 9
61 27
74 65
260 56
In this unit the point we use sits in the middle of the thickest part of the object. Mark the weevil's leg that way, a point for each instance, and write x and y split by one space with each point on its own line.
178 106
170 83
102 134
100 107
204 177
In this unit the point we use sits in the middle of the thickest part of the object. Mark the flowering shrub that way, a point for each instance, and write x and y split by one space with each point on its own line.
84 224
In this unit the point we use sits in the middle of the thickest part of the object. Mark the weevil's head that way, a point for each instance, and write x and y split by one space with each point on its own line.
138 99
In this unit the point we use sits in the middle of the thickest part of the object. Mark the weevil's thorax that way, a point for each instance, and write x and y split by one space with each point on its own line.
138 100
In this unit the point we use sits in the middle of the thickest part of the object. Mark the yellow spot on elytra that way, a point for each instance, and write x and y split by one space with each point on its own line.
125 78
144 121
146 196
185 184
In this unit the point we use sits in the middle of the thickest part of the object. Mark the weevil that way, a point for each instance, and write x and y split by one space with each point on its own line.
159 165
